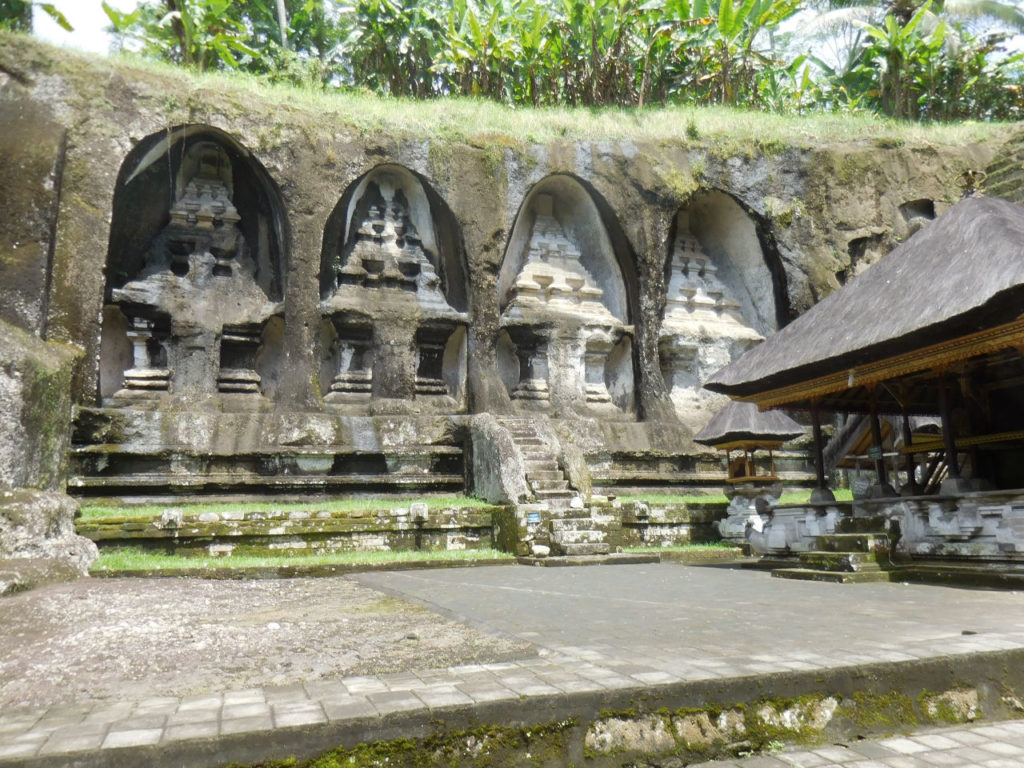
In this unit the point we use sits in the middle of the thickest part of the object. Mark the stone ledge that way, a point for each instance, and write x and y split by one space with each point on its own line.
615 558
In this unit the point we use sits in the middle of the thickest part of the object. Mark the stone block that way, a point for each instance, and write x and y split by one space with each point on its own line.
37 539
35 410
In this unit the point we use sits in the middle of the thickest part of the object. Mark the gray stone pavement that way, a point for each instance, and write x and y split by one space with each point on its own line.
1000 745
600 629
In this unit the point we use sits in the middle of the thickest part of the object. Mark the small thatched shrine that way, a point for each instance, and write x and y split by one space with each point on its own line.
740 426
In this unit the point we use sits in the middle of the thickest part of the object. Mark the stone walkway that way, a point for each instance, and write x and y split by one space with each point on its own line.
600 630
980 746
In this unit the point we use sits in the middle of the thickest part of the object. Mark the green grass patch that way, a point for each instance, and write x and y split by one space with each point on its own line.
96 511
484 122
802 497
135 559
675 498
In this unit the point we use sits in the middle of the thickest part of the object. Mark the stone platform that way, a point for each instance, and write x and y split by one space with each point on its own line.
637 640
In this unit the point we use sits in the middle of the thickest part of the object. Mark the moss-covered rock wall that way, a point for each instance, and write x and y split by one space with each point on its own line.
820 210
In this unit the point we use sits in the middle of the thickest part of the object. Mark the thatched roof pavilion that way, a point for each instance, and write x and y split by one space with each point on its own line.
951 292
935 327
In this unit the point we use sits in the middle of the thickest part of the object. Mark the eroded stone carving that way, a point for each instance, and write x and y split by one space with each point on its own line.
395 335
562 332
196 311
703 329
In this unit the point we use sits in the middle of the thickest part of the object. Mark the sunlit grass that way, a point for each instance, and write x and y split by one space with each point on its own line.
802 497
483 121
674 498
95 511
135 559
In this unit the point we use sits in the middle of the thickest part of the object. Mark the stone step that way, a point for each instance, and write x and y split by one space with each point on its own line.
586 549
852 542
837 577
859 562
523 442
582 523
544 476
537 454
567 538
562 484
185 483
551 494
541 465
615 558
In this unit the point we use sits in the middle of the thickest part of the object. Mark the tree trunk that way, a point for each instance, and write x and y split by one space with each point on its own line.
282 22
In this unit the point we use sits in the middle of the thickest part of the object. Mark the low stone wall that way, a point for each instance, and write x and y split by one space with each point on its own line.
985 527
666 525
981 526
298 531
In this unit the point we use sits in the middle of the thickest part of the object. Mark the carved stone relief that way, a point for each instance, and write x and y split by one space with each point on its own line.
554 315
196 313
703 329
393 335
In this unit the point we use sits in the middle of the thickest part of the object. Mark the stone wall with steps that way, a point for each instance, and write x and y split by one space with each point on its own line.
296 531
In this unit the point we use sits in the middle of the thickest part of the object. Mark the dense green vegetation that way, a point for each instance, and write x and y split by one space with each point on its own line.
935 60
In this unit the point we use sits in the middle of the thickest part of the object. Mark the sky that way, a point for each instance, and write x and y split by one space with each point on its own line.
88 19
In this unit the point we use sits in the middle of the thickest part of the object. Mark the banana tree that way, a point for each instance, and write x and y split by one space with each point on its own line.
196 33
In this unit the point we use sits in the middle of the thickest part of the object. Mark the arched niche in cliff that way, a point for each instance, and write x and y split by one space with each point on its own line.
720 299
566 296
195 271
394 296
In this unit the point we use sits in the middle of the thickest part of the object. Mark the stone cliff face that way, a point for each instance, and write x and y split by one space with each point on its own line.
320 268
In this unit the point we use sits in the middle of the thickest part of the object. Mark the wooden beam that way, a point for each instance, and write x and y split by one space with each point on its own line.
942 355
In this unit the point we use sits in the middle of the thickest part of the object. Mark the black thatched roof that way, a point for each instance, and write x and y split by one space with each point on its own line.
962 273
740 421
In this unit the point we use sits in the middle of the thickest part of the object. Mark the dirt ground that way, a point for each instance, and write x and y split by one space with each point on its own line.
103 639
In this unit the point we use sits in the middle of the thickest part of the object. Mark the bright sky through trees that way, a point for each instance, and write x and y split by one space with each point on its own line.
87 18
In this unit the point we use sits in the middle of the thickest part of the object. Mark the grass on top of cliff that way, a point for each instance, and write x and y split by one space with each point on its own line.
476 121
94 511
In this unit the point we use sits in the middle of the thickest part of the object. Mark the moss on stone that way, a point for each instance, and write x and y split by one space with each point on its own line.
484 746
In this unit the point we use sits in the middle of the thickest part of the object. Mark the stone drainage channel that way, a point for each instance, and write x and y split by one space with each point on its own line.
640 664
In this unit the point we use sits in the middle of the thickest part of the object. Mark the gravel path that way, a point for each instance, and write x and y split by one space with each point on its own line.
103 639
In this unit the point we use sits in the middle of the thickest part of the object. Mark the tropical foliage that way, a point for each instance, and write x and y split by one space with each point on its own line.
910 60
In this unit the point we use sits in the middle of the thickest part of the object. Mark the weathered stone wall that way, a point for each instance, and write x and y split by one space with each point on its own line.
297 532
37 538
812 207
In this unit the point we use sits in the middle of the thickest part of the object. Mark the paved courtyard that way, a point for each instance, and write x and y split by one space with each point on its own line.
597 629
977 746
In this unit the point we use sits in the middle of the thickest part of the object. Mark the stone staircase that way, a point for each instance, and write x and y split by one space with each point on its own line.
577 532
843 558
544 477
1005 174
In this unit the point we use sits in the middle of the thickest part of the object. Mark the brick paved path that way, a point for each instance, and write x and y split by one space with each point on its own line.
970 746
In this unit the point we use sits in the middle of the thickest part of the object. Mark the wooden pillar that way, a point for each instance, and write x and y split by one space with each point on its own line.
821 492
908 440
876 439
948 438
